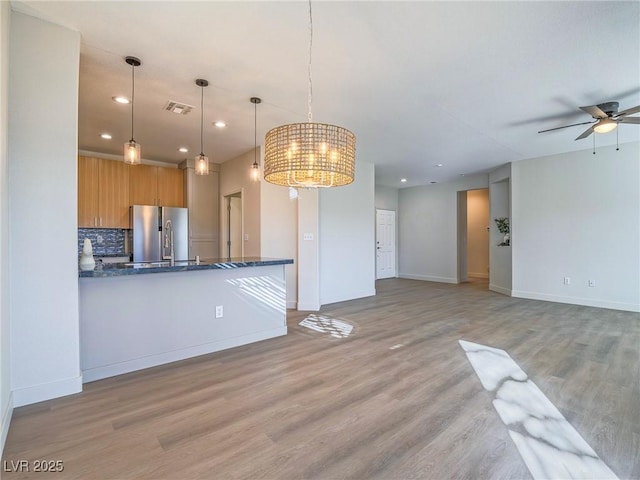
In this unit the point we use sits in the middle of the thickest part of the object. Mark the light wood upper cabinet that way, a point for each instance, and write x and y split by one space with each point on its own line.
156 186
171 187
88 192
103 193
113 197
143 185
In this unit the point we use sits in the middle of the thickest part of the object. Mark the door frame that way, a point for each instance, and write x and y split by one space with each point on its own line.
225 222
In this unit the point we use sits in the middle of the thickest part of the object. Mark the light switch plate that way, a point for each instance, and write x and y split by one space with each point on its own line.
307 236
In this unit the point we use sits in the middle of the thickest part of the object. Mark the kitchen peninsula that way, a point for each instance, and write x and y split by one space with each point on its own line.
139 315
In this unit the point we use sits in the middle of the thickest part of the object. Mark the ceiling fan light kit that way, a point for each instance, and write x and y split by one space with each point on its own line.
605 125
606 118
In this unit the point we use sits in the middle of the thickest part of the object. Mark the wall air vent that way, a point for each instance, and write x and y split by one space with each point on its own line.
177 107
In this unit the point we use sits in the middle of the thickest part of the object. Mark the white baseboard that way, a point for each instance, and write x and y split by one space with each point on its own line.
46 391
498 289
292 305
478 275
587 302
350 296
308 307
6 422
428 278
112 370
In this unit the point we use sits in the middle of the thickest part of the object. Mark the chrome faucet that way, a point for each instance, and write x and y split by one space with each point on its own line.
168 243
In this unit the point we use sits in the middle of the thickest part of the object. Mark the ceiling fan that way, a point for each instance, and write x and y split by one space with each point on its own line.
606 118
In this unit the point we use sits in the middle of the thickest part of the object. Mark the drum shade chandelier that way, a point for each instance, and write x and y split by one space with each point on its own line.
132 148
202 161
310 154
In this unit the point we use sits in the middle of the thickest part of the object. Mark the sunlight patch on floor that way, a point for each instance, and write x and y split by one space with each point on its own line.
322 323
548 444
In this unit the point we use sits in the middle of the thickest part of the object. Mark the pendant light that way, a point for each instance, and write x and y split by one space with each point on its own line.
309 154
255 168
202 161
132 148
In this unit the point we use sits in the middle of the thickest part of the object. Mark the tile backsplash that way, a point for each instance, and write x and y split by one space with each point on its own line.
105 241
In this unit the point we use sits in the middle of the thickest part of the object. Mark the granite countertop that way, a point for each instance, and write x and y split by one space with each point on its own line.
137 268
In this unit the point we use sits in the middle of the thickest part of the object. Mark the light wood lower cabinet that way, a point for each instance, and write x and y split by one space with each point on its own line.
103 193
156 186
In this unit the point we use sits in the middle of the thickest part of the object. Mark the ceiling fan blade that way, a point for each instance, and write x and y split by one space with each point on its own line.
635 120
566 126
628 111
594 111
586 133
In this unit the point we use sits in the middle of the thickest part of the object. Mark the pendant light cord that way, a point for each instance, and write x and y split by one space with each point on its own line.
310 97
202 120
255 134
133 90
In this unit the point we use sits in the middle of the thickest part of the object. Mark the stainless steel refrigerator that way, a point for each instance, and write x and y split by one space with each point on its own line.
151 237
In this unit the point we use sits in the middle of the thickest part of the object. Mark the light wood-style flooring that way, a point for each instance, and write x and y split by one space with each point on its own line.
311 406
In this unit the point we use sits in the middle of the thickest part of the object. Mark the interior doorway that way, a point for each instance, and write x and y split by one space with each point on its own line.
385 244
473 235
233 231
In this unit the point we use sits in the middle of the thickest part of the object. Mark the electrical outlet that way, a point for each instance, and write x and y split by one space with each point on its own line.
219 311
592 283
567 280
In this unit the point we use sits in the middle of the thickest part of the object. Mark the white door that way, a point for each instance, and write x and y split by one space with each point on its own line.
385 244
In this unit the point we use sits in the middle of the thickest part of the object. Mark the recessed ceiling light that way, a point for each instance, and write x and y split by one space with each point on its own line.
220 124
106 136
403 180
121 99
439 165
183 149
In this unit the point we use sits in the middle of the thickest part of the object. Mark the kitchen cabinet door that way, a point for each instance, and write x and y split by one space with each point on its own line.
114 194
88 183
143 185
202 201
170 187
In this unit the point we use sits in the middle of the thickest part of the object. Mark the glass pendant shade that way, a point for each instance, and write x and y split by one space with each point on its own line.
132 152
309 155
255 172
202 165
605 125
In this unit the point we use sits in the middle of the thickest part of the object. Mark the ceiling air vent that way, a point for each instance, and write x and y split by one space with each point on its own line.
177 107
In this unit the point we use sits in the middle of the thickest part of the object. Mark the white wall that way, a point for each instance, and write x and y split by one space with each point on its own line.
279 232
43 109
235 176
500 261
428 243
386 198
477 234
6 402
577 215
347 238
308 240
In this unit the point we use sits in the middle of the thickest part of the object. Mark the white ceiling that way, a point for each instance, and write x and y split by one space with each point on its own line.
465 84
